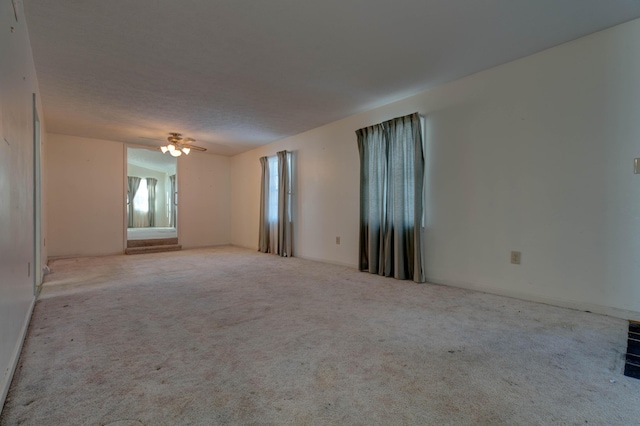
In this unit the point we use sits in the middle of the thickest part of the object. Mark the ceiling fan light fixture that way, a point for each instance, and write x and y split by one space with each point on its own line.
178 145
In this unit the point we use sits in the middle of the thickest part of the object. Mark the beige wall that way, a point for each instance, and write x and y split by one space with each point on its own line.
87 195
534 155
325 193
203 200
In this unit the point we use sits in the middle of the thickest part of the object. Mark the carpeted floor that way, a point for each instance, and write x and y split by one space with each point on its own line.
230 336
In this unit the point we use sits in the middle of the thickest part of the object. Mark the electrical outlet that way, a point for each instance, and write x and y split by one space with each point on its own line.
337 240
515 257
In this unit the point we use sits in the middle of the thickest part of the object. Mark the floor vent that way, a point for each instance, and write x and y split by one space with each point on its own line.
632 365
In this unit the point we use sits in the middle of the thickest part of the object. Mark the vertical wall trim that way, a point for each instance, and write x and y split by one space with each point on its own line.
37 198
16 356
125 188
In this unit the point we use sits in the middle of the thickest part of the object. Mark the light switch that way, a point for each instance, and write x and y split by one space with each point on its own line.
636 166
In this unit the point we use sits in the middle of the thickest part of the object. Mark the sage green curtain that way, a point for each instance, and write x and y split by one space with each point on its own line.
391 198
151 191
263 233
285 242
172 206
133 183
276 226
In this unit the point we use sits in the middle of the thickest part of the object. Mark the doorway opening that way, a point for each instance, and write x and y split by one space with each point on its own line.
152 201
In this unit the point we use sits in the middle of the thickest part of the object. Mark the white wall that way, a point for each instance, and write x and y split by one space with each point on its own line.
86 196
18 83
534 155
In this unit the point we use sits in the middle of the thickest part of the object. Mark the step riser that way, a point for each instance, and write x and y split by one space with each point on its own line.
152 242
153 249
632 364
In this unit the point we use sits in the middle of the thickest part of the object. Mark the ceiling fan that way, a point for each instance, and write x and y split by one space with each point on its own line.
178 145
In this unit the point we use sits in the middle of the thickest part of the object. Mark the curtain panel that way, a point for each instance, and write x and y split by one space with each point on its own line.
275 233
285 243
133 183
151 191
263 233
391 198
172 206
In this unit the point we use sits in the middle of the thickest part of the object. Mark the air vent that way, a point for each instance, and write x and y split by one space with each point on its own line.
632 365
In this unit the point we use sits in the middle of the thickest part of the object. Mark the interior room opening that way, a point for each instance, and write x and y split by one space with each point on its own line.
152 195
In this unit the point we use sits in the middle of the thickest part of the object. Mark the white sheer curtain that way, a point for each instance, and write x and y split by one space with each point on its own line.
272 207
141 206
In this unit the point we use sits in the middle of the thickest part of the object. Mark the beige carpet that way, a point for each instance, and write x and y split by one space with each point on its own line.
230 336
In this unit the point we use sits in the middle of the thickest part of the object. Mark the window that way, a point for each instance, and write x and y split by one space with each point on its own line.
272 208
391 198
274 182
141 199
275 234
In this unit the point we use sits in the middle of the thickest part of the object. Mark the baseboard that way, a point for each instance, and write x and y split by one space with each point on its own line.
301 256
331 262
571 304
205 246
79 256
16 356
244 247
122 252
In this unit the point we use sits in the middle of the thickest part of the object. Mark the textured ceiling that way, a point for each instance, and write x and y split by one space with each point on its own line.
235 74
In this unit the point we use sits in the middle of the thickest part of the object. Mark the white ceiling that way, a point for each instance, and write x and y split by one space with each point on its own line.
235 74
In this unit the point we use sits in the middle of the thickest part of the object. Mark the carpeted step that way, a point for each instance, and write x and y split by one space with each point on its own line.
632 364
152 242
153 249
632 370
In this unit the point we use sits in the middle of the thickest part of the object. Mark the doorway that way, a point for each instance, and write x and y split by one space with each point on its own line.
152 196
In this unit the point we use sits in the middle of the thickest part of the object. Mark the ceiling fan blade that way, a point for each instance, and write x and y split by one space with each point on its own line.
179 142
